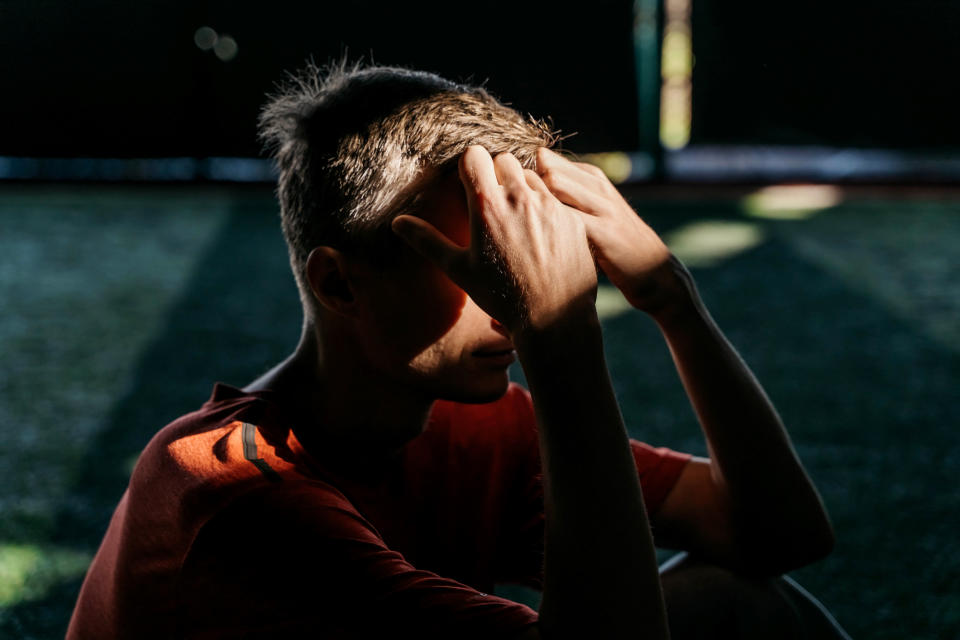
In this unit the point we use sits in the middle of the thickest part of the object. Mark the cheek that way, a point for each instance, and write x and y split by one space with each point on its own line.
418 311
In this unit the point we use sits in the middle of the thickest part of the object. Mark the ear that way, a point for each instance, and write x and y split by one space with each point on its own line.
329 277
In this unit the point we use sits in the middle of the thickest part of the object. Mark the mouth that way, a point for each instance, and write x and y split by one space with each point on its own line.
496 357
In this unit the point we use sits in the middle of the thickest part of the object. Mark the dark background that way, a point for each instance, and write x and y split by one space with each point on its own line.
104 78
123 303
841 73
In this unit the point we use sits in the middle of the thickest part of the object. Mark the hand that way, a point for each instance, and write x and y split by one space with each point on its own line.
627 250
528 263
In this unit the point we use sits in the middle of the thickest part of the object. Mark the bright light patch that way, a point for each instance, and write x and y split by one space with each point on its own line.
677 53
706 243
675 115
610 302
676 70
205 38
28 572
791 201
616 165
226 48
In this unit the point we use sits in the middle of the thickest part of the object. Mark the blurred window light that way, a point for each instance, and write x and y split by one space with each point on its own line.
221 169
620 166
675 115
239 170
616 165
677 53
707 243
676 70
791 201
744 163
226 48
205 38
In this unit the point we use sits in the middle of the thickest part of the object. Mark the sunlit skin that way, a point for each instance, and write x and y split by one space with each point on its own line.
419 327
363 377
503 258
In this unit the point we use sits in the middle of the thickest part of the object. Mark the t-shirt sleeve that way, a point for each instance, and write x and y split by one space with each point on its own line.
521 553
295 564
658 468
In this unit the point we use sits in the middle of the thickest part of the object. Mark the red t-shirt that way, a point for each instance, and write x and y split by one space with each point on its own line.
230 529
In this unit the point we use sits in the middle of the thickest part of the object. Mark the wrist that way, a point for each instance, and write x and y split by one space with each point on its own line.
670 294
573 328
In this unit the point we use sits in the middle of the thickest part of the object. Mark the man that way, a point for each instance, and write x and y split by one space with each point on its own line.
387 475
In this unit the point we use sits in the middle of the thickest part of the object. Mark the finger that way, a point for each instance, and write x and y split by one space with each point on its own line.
591 224
534 181
428 241
477 173
592 169
480 184
548 158
593 228
509 171
570 184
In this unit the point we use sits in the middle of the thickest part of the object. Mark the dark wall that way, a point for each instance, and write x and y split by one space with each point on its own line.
862 74
102 78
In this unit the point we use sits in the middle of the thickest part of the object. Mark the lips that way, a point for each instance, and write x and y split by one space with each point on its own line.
501 357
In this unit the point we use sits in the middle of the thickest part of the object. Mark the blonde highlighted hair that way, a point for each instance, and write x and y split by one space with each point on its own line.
356 145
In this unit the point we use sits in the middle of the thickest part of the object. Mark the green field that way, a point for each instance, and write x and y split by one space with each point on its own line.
122 305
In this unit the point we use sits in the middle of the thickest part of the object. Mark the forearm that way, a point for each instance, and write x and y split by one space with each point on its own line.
600 569
775 508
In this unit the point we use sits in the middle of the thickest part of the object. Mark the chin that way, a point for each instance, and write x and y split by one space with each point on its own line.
474 389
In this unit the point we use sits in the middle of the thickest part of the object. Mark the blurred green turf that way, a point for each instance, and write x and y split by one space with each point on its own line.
121 306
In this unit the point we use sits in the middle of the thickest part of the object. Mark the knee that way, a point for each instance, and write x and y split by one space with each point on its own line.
708 601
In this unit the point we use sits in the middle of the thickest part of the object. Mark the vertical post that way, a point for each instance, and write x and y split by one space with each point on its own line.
646 51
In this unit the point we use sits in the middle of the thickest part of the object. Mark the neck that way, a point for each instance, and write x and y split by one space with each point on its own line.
342 408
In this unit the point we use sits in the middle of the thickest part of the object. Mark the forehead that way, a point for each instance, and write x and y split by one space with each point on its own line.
444 205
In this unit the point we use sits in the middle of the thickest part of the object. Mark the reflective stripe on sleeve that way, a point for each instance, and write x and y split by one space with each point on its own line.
249 438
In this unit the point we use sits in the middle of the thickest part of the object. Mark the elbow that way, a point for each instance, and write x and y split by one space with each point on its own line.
778 553
822 543
818 538
813 549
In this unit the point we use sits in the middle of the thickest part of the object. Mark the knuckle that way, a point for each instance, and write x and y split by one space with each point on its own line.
551 178
520 198
592 169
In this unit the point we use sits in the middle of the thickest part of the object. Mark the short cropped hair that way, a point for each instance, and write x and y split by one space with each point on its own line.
357 145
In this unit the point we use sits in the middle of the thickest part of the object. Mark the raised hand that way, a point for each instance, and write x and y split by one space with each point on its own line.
528 263
627 250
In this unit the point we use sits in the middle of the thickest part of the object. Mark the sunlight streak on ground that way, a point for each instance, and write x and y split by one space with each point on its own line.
28 571
610 302
791 201
706 243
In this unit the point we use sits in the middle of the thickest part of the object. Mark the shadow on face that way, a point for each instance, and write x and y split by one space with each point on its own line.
411 306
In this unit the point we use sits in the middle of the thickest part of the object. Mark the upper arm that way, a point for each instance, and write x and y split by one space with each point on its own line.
695 516
291 564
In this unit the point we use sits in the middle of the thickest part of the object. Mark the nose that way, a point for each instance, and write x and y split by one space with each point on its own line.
499 328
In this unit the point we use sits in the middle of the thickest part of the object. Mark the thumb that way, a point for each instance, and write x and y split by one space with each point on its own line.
427 241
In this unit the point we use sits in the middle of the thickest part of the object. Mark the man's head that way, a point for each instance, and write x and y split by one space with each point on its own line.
356 146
